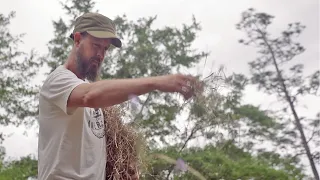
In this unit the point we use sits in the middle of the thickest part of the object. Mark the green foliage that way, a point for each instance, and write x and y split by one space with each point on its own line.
238 83
288 164
224 161
255 115
17 71
24 168
149 52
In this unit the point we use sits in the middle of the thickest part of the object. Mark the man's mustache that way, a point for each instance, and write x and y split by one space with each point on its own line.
95 59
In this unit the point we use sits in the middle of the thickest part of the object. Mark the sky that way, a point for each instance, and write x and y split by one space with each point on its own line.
218 35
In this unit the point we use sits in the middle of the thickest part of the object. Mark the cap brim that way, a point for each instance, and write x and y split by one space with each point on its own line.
105 34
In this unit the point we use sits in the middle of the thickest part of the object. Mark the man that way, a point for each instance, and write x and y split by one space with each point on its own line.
71 126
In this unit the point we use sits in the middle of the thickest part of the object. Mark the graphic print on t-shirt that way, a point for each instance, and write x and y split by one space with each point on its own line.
96 122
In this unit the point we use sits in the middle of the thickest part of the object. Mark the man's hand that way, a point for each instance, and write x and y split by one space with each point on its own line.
183 84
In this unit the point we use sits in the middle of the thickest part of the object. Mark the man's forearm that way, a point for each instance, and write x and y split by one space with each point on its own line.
110 92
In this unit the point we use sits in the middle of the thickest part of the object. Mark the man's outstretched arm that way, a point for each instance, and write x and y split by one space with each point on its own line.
110 92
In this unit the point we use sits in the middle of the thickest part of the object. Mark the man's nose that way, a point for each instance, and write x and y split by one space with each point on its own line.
100 56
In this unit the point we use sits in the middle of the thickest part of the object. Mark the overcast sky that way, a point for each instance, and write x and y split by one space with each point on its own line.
218 35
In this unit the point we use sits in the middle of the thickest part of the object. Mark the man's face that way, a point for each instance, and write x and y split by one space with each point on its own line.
90 55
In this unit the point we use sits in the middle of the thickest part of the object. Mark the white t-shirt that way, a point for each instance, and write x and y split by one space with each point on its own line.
71 140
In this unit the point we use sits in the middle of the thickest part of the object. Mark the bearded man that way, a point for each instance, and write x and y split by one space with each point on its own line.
71 124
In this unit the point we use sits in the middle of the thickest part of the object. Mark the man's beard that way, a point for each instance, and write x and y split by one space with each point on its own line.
85 69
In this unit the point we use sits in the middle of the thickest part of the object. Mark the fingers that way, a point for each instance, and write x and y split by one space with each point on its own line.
187 86
187 92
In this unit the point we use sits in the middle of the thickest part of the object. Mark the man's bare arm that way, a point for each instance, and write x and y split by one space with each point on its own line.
110 92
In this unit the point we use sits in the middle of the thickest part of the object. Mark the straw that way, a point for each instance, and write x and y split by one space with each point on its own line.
124 146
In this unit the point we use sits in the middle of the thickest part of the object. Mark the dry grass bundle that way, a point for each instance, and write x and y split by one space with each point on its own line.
124 146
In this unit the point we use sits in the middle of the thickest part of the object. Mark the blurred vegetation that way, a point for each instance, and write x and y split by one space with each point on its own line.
231 130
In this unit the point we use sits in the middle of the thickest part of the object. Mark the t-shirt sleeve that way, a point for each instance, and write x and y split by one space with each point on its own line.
58 88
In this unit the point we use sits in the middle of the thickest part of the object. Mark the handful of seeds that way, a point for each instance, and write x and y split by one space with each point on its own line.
124 147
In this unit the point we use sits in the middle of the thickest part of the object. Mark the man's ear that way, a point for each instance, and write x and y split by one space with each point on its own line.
76 38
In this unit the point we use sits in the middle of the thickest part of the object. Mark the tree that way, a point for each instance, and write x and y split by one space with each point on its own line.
17 71
16 90
272 72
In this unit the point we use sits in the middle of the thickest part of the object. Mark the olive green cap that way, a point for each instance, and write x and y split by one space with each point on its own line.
97 25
